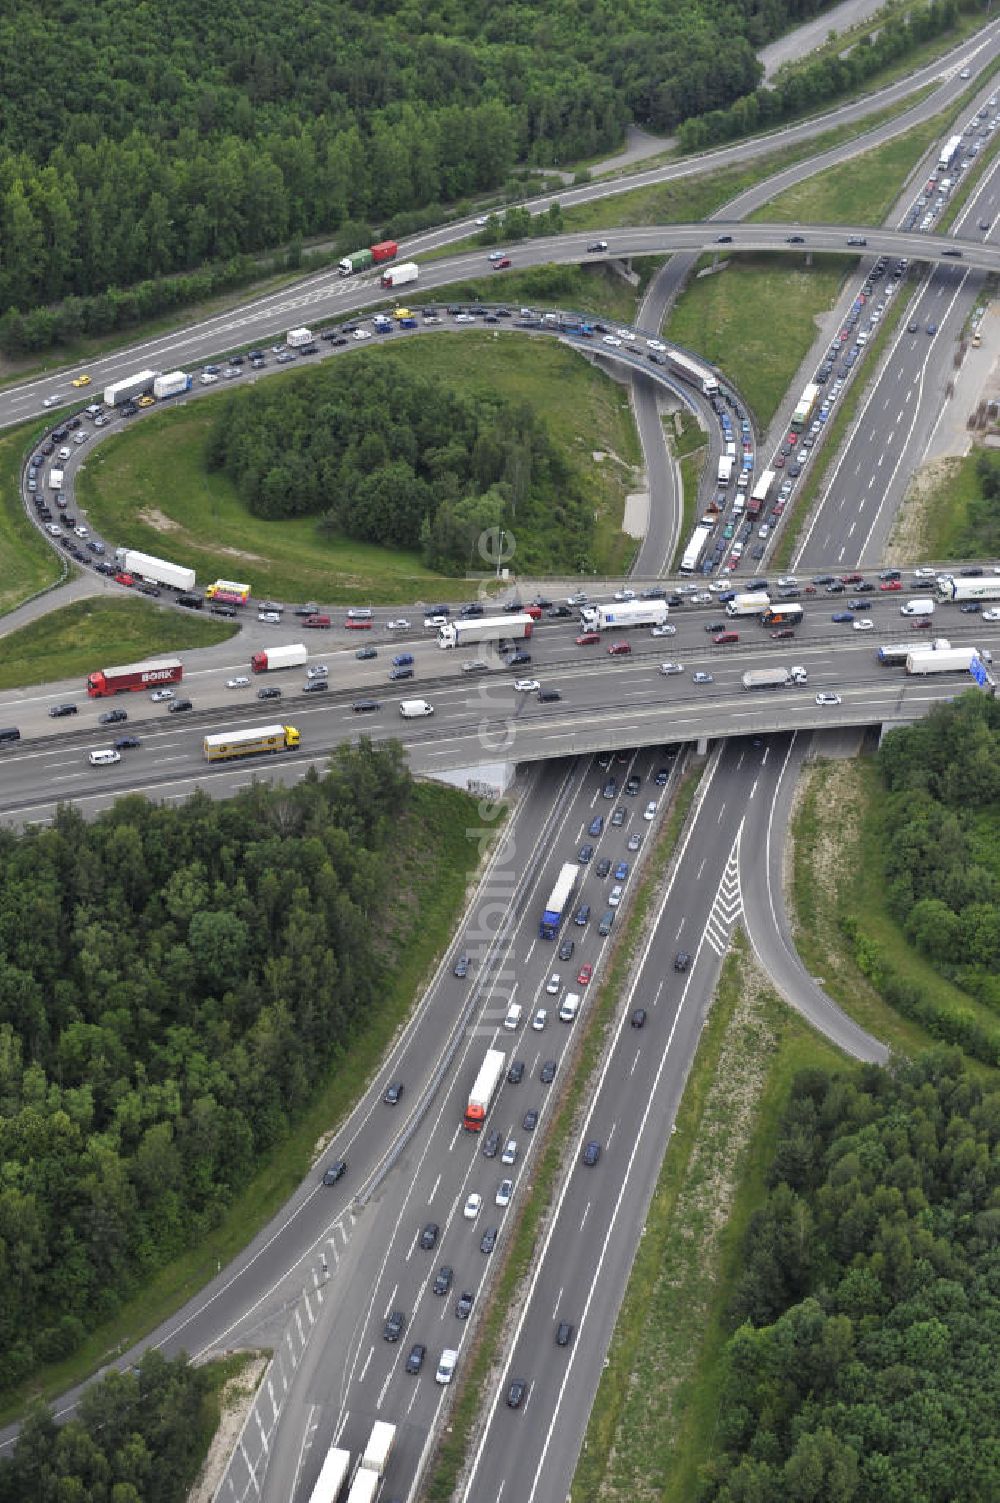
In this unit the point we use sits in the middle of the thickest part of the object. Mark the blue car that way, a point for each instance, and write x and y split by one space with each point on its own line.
596 826
582 915
585 854
403 660
842 616
621 871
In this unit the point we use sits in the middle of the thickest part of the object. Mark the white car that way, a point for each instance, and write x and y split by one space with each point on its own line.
509 1155
612 340
615 897
465 318
656 344
864 626
668 668
826 697
159 695
81 531
54 530
56 396
473 1206
579 598
505 1190
526 685
625 594
993 614
627 335
360 334
496 255
207 379
399 625
701 677
270 618
925 573
664 630
482 219
80 438
650 810
431 623
238 683
553 984
540 1019
787 579
317 670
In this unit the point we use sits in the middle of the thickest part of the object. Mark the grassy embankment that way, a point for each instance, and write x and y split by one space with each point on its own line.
79 637
150 486
29 566
434 857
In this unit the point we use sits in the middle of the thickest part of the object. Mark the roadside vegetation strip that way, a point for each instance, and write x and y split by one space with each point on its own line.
72 641
656 1411
479 1364
436 859
859 191
29 564
755 320
934 516
837 427
151 488
844 932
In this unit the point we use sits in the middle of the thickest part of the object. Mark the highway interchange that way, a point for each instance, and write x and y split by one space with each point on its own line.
317 1284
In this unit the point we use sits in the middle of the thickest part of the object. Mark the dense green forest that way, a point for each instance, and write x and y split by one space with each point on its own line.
174 984
942 839
864 1367
379 453
980 535
139 140
136 1437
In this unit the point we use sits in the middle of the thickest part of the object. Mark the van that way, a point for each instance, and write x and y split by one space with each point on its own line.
105 757
513 1018
412 709
446 1366
605 926
917 608
570 1007
10 734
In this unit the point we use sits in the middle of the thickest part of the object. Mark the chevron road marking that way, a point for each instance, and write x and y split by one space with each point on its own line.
728 905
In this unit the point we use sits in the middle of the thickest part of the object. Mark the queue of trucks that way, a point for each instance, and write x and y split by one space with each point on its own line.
399 276
363 260
371 1470
157 570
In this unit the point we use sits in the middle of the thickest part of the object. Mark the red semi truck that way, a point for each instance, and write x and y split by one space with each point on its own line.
134 676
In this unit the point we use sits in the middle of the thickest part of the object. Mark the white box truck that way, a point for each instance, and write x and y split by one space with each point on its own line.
773 678
413 709
954 660
917 608
398 276
296 338
379 1447
295 655
55 480
624 613
960 590
333 1475
755 603
725 469
132 386
487 629
364 1487
171 384
156 569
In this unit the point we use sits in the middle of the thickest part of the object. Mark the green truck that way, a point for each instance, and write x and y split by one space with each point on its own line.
361 260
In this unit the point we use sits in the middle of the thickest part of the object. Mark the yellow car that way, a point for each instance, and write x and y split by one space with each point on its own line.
81 381
401 313
146 401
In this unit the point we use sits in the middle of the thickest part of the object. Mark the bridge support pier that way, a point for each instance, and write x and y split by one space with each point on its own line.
701 750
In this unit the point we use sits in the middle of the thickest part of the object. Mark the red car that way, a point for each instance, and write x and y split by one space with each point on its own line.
852 579
723 638
779 461
502 264
586 638
784 635
620 650
890 584
125 579
352 624
586 971
924 624
793 439
534 611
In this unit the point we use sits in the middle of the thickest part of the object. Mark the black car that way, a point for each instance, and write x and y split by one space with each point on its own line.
516 1072
366 706
443 1278
364 653
564 1333
662 775
638 1018
57 711
547 1074
126 743
315 686
602 868
682 960
112 717
415 1360
178 706
394 1326
566 949
268 693
491 1145
393 1093
715 626
585 854
530 1121
396 674
472 608
518 659
488 1241
429 1236
309 609
633 785
228 612
591 1153
463 1307
516 1393
334 1171
558 612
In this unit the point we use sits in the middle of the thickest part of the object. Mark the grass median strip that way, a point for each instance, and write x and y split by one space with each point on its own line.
479 1364
29 564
